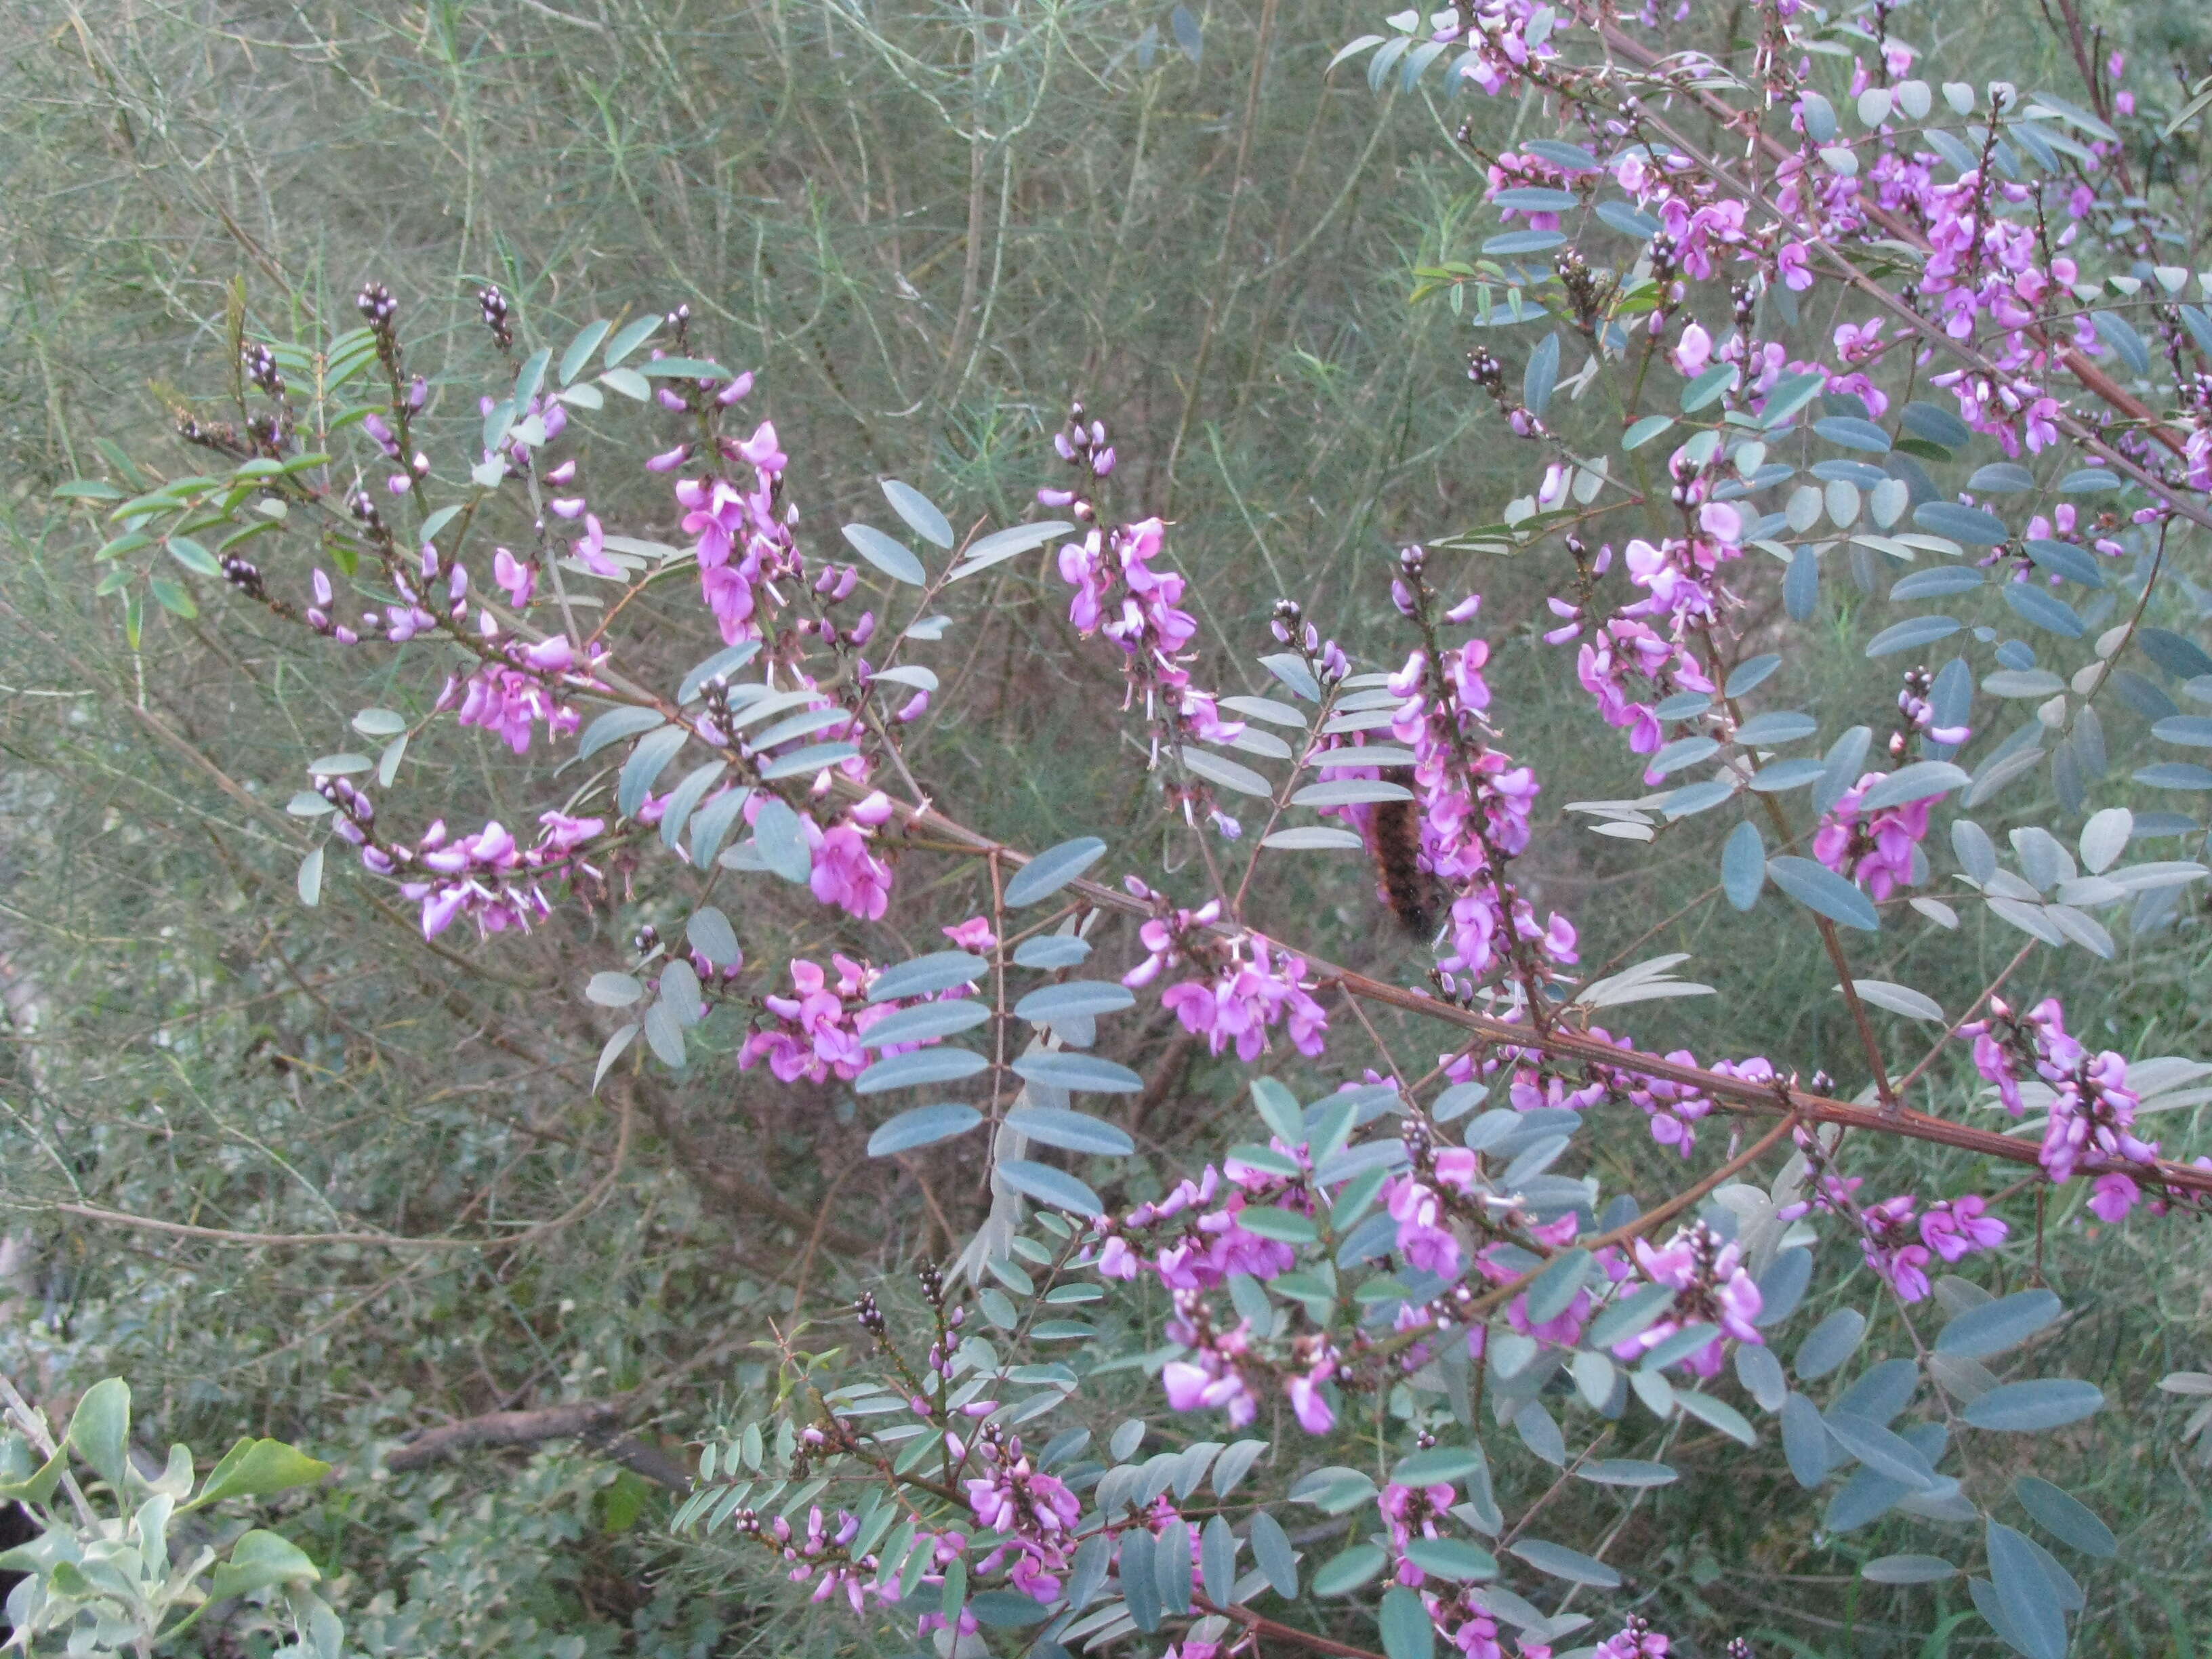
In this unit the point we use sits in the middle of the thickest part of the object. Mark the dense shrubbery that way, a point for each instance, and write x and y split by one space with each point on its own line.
1300 1252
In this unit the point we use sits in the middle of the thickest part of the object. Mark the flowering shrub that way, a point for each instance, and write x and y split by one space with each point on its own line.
1416 1259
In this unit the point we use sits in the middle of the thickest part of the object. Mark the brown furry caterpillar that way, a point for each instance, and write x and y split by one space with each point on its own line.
1394 836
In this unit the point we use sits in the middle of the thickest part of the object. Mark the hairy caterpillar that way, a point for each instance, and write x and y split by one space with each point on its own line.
1394 836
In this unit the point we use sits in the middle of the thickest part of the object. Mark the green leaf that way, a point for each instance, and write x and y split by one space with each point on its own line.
1557 1561
2065 1517
1437 1463
1993 1327
926 976
1408 1632
1556 1287
1970 524
925 1126
646 761
258 1468
1453 1559
1315 837
1284 1226
631 336
782 841
1050 1185
1852 433
100 1430
1229 773
1909 1570
1789 395
580 349
88 490
1821 890
1272 1554
261 1560
1008 543
1743 866
310 882
1830 1343
1053 869
1628 1471
925 1021
920 513
612 1051
1074 1131
886 555
613 726
194 557
174 598
1644 431
1709 387
1542 373
2033 1407
1348 1571
1922 781
2034 1621
1074 998
1911 634
908 1071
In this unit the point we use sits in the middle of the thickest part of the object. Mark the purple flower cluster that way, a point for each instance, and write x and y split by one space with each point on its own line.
1474 801
1246 988
2093 1110
1876 849
816 1031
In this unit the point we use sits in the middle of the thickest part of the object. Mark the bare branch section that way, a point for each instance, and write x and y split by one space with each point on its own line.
597 1423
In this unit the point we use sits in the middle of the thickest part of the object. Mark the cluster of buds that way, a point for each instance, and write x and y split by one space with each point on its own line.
378 308
1918 716
356 812
242 573
1323 658
871 1316
259 363
497 317
362 506
211 435
1586 293
1083 443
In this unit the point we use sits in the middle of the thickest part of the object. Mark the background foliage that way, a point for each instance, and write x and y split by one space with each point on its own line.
927 225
